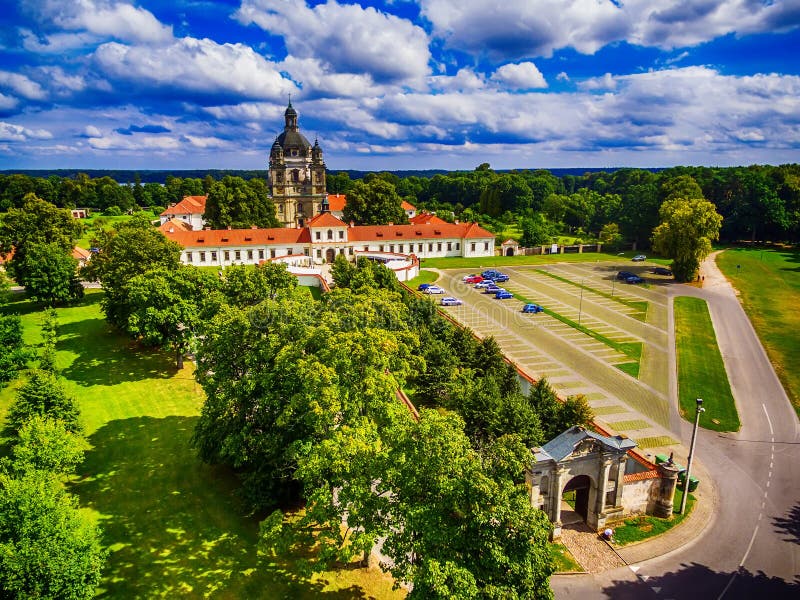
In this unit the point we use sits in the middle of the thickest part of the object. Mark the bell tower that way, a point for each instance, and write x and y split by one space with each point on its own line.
296 174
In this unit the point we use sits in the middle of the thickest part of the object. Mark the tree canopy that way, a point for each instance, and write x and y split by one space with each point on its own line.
374 203
234 202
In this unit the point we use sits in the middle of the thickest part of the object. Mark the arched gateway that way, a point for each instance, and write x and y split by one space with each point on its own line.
596 468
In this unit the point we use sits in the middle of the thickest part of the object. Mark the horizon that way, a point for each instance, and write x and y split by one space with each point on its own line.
399 85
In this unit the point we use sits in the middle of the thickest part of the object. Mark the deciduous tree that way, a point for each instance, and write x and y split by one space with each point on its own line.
374 203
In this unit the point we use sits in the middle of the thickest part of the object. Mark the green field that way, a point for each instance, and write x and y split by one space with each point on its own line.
174 525
96 221
457 262
424 276
774 314
701 372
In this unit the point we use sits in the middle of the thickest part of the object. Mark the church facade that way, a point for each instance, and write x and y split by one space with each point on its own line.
296 175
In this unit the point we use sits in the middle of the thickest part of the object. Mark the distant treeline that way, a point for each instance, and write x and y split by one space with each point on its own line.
759 202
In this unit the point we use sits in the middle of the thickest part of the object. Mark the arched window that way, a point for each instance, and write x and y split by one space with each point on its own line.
330 234
295 175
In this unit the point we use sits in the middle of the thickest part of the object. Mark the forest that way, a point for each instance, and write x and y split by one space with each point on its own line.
757 203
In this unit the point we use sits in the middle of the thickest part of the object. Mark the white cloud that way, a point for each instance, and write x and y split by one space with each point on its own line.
530 28
206 141
606 82
61 82
8 102
16 133
21 86
313 74
562 76
92 131
105 18
128 142
56 43
464 79
350 38
195 65
522 76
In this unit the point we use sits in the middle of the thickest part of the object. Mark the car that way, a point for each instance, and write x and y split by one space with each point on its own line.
532 308
450 301
492 274
623 275
484 284
473 279
634 279
492 289
465 277
433 289
503 295
423 286
639 258
661 271
501 278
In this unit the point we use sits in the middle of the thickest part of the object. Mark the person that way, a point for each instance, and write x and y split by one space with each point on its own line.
607 533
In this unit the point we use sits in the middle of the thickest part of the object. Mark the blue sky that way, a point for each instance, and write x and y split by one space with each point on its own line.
400 84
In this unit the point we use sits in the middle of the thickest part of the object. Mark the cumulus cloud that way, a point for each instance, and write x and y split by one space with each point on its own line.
464 79
16 133
105 18
194 65
92 131
21 86
528 28
350 38
123 142
606 82
522 76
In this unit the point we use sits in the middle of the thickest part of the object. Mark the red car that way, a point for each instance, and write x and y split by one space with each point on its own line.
473 279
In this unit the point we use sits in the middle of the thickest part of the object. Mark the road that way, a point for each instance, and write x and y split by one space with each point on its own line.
752 547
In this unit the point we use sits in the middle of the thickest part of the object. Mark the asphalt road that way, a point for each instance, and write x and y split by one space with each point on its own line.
751 549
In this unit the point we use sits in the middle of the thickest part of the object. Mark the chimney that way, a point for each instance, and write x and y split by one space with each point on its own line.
352 224
229 227
391 224
253 226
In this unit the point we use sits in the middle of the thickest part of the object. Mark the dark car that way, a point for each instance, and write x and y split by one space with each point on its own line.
501 277
503 295
532 308
423 286
634 279
623 275
662 271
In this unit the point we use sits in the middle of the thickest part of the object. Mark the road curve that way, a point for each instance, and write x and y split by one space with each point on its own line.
752 547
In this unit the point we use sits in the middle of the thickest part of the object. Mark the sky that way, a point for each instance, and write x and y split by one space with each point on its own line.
399 84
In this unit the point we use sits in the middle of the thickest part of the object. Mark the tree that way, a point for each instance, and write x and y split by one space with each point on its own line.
234 202
685 234
43 395
13 355
48 548
374 203
536 231
134 248
36 223
247 286
44 444
557 416
610 236
50 274
163 306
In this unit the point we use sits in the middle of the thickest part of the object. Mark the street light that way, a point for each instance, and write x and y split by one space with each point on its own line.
691 455
580 306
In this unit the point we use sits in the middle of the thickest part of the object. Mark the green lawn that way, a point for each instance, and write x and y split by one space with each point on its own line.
457 262
701 372
774 314
563 559
643 527
173 524
425 276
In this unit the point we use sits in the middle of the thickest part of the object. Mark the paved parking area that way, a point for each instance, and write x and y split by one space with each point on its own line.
572 361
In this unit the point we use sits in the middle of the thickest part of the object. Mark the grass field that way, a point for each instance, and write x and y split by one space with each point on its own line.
92 225
173 524
701 372
457 262
774 314
644 527
424 276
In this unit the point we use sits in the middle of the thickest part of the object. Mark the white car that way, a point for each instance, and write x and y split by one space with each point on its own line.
434 289
450 301
484 284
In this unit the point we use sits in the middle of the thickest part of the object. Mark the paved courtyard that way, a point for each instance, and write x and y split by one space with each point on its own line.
573 361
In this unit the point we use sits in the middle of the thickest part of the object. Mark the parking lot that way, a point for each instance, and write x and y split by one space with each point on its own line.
578 361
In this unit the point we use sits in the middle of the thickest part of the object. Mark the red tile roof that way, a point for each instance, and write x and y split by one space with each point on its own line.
190 205
419 231
406 206
175 225
240 237
79 253
337 201
326 220
426 218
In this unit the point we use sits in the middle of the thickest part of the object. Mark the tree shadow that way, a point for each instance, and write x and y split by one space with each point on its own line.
698 581
104 356
789 525
173 525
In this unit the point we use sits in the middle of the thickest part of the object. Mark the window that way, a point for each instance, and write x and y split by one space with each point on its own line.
227 255
400 248
341 234
341 251
272 253
439 246
419 247
202 257
188 257
249 255
486 245
306 252
319 253
380 248
213 256
430 247
449 246
330 234
458 245
290 251
295 173
472 247
391 247
351 251
261 254
317 235
280 208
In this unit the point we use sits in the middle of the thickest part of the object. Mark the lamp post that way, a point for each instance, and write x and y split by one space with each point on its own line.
580 306
691 454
